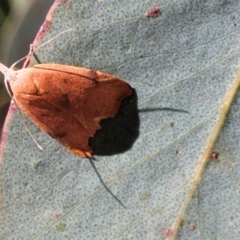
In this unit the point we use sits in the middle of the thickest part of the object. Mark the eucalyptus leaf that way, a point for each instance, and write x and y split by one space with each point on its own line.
183 66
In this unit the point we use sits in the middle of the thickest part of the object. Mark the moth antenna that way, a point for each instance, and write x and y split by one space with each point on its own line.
42 45
29 132
103 183
50 40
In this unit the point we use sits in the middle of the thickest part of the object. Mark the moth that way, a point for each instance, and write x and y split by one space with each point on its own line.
67 102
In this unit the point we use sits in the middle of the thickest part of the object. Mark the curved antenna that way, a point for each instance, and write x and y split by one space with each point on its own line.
42 45
29 132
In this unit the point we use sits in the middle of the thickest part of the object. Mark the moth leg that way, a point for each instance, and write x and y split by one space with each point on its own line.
103 183
36 58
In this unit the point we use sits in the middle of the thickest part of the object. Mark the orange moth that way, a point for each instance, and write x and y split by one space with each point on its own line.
67 102
64 101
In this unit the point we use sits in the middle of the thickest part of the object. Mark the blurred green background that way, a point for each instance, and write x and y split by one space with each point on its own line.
20 21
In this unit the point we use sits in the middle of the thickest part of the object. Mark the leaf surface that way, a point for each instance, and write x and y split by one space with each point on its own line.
183 66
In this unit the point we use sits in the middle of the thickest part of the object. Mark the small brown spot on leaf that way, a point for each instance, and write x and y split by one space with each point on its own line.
153 12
